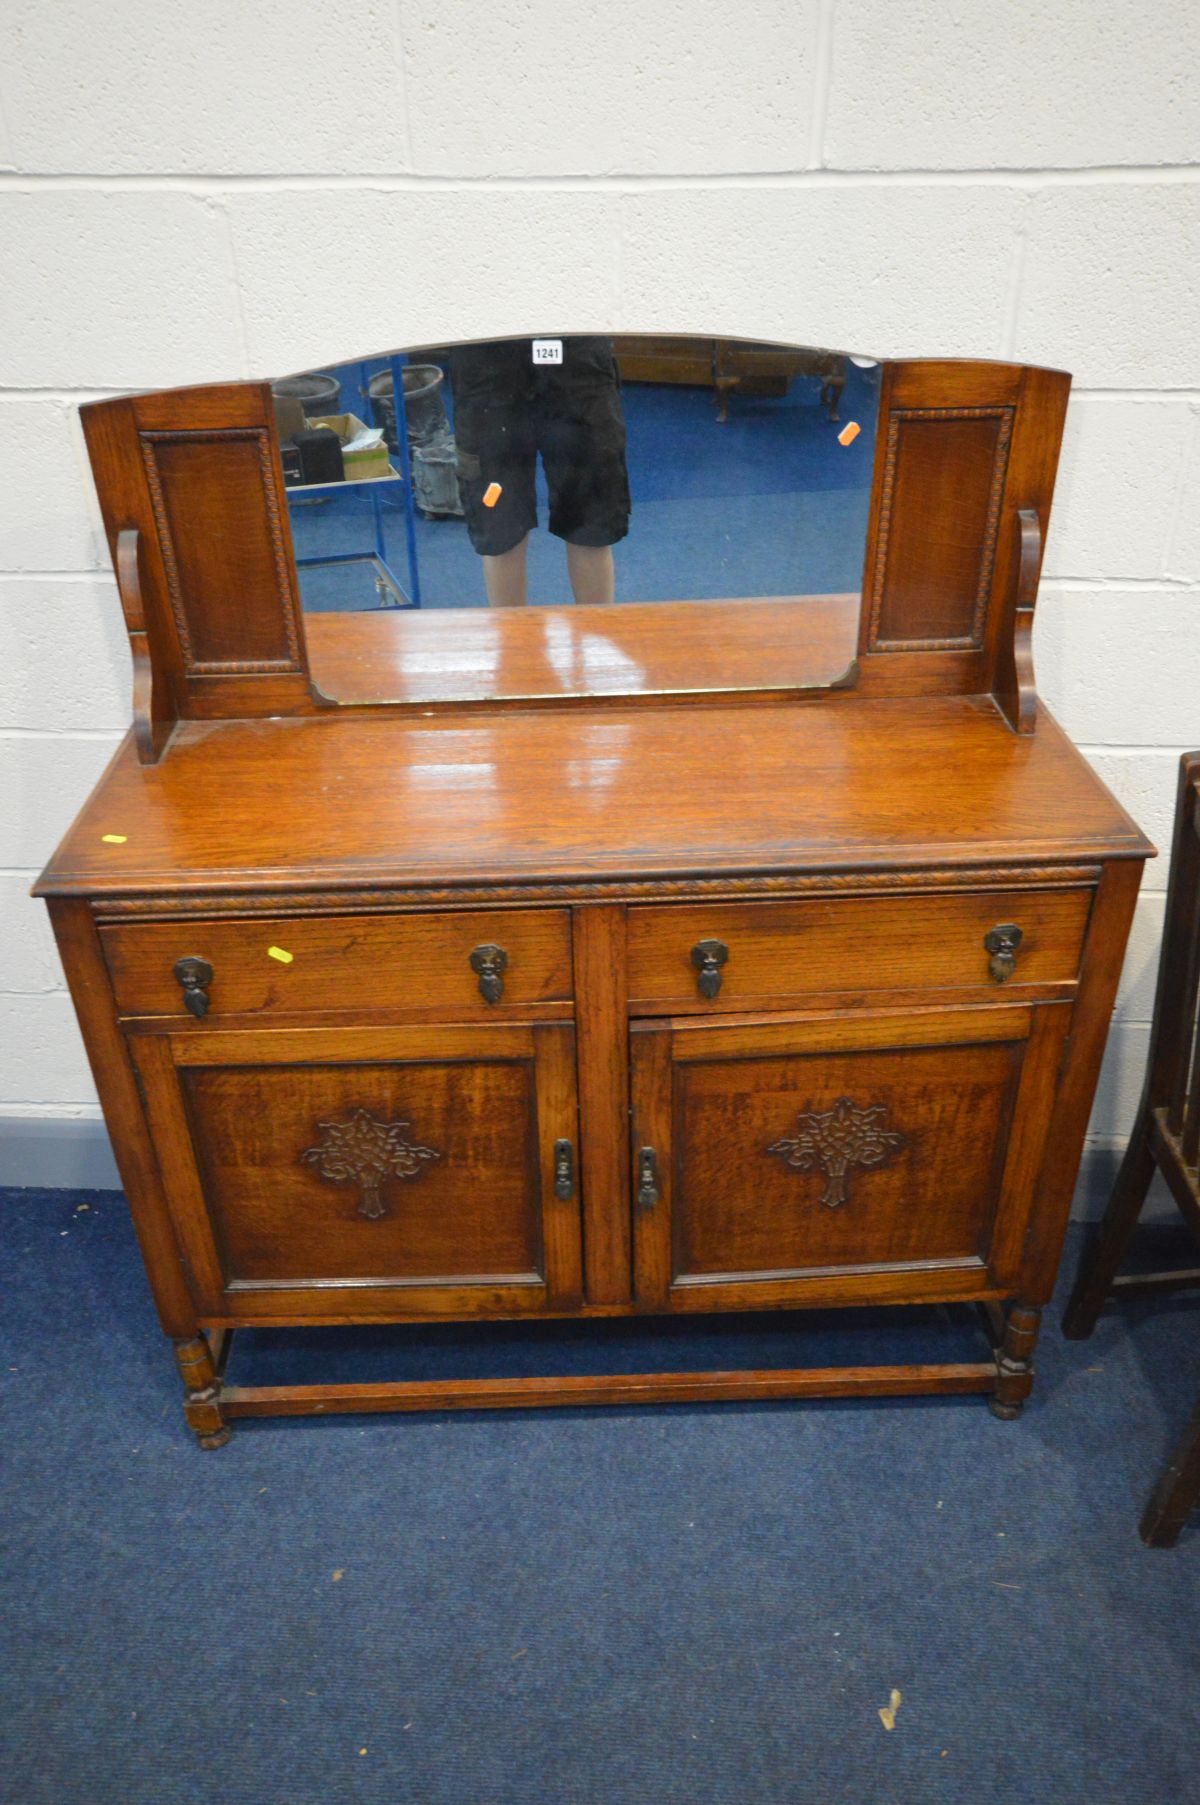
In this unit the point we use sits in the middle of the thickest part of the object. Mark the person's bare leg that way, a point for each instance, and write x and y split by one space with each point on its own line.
593 578
504 577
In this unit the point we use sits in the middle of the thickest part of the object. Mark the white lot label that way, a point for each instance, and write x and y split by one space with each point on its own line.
547 350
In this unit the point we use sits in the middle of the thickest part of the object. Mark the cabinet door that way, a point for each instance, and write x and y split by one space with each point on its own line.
345 1173
887 1157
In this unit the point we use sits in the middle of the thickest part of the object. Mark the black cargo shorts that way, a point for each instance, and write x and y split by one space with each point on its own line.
507 412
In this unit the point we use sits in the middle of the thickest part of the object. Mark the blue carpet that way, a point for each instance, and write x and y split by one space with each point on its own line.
659 1607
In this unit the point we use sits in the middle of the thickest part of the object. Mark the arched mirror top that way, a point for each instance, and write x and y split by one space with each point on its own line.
563 516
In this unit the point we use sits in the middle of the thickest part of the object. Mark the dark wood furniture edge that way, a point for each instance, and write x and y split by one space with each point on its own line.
1163 1139
1153 1141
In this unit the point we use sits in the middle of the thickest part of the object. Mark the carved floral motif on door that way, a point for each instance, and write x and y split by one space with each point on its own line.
362 1150
838 1139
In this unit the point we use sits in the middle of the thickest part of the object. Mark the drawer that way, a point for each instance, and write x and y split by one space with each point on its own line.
343 963
848 944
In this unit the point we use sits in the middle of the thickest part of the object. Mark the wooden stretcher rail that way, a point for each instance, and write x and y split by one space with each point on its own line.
625 1388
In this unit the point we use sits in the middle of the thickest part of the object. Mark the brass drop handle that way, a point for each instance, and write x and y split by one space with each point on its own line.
195 975
647 1166
564 1171
489 962
708 956
1002 942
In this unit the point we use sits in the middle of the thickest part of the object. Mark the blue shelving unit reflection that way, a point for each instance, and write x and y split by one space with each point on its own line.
393 590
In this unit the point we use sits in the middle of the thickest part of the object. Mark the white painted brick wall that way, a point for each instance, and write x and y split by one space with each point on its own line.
679 87
236 190
47 517
827 264
1183 557
328 274
1118 487
276 85
1072 84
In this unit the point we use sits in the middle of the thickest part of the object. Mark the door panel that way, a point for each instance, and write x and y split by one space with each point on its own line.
874 1156
324 1171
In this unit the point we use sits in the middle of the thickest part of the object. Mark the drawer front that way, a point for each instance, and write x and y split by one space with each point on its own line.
736 955
343 963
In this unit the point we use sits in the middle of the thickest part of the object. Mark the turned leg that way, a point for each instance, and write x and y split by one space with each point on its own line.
1099 1268
1177 1493
1014 1361
202 1392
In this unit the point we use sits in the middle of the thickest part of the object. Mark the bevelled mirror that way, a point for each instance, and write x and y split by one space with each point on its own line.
591 488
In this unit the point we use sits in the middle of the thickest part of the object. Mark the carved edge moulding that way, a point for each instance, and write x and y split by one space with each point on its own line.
305 901
192 495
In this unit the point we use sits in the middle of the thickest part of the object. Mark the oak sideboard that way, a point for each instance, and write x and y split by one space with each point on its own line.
646 979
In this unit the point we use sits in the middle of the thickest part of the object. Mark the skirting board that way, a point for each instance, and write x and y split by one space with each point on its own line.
56 1153
69 1153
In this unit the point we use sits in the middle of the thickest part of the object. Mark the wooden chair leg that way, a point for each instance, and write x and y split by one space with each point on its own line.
1177 1493
1100 1264
1014 1361
202 1392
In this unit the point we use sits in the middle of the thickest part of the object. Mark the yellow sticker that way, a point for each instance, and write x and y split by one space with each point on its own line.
849 433
114 839
492 494
277 952
887 1713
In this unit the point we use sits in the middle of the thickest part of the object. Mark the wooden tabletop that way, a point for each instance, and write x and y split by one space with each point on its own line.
518 795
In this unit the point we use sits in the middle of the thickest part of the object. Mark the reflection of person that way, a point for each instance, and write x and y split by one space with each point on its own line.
507 410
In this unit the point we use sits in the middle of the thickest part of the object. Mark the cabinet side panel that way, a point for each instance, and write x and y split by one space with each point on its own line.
116 1083
1104 954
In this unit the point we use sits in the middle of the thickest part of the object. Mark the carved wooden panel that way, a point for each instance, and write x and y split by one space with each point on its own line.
944 472
224 548
791 1150
277 1215
347 1165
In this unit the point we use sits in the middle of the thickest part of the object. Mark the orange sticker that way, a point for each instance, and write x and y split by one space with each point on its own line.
849 433
492 494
